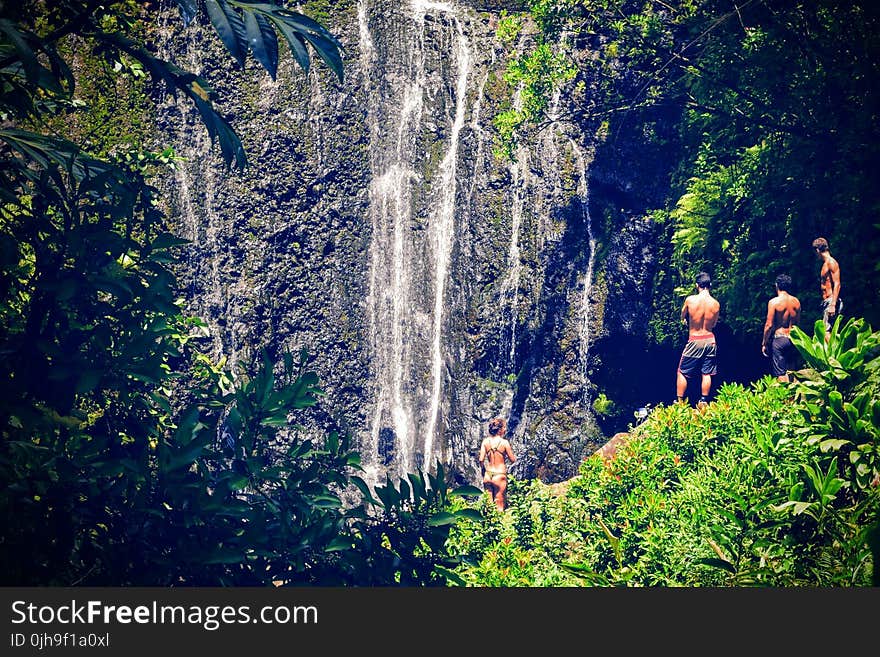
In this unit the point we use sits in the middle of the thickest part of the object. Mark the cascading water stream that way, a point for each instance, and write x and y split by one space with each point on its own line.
584 309
397 337
588 275
389 300
443 223
510 289
587 281
203 229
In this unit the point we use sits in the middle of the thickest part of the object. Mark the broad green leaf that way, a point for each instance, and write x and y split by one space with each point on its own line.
717 563
183 458
297 46
27 57
451 575
796 507
364 489
339 543
262 41
327 50
441 519
230 28
404 490
236 481
230 145
418 486
470 514
832 444
327 502
465 491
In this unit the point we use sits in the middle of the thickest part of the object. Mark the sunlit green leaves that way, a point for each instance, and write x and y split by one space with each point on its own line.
532 78
839 393
729 496
111 418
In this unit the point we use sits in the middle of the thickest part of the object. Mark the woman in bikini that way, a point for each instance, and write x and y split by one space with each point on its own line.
494 453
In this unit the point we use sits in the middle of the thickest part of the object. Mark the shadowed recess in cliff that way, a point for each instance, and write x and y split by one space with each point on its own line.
544 364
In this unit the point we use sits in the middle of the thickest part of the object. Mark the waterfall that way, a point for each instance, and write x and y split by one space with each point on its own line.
510 289
399 316
195 194
588 275
388 299
378 229
584 309
587 281
444 220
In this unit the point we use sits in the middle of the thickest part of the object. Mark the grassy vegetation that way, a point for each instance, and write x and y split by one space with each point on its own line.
762 488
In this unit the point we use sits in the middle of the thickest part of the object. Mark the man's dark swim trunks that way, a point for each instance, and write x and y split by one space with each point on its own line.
783 356
699 356
826 306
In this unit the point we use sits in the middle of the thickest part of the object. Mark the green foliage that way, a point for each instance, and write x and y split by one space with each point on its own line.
728 496
840 395
513 548
761 488
39 81
552 15
760 104
602 405
509 28
251 26
505 564
405 544
533 77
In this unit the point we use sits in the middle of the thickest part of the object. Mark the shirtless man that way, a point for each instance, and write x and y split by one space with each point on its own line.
829 284
783 312
495 450
699 313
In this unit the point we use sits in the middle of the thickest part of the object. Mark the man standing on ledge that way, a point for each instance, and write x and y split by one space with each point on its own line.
829 284
783 312
699 313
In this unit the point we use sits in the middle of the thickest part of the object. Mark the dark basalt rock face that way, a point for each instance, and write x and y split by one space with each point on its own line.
435 285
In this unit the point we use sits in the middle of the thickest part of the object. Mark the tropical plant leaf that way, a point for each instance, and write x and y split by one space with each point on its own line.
297 46
717 563
219 129
470 514
338 544
299 29
465 491
230 28
27 57
451 575
188 10
262 41
441 519
418 485
363 488
328 50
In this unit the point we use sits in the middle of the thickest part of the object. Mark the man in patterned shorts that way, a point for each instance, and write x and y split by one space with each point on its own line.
699 313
